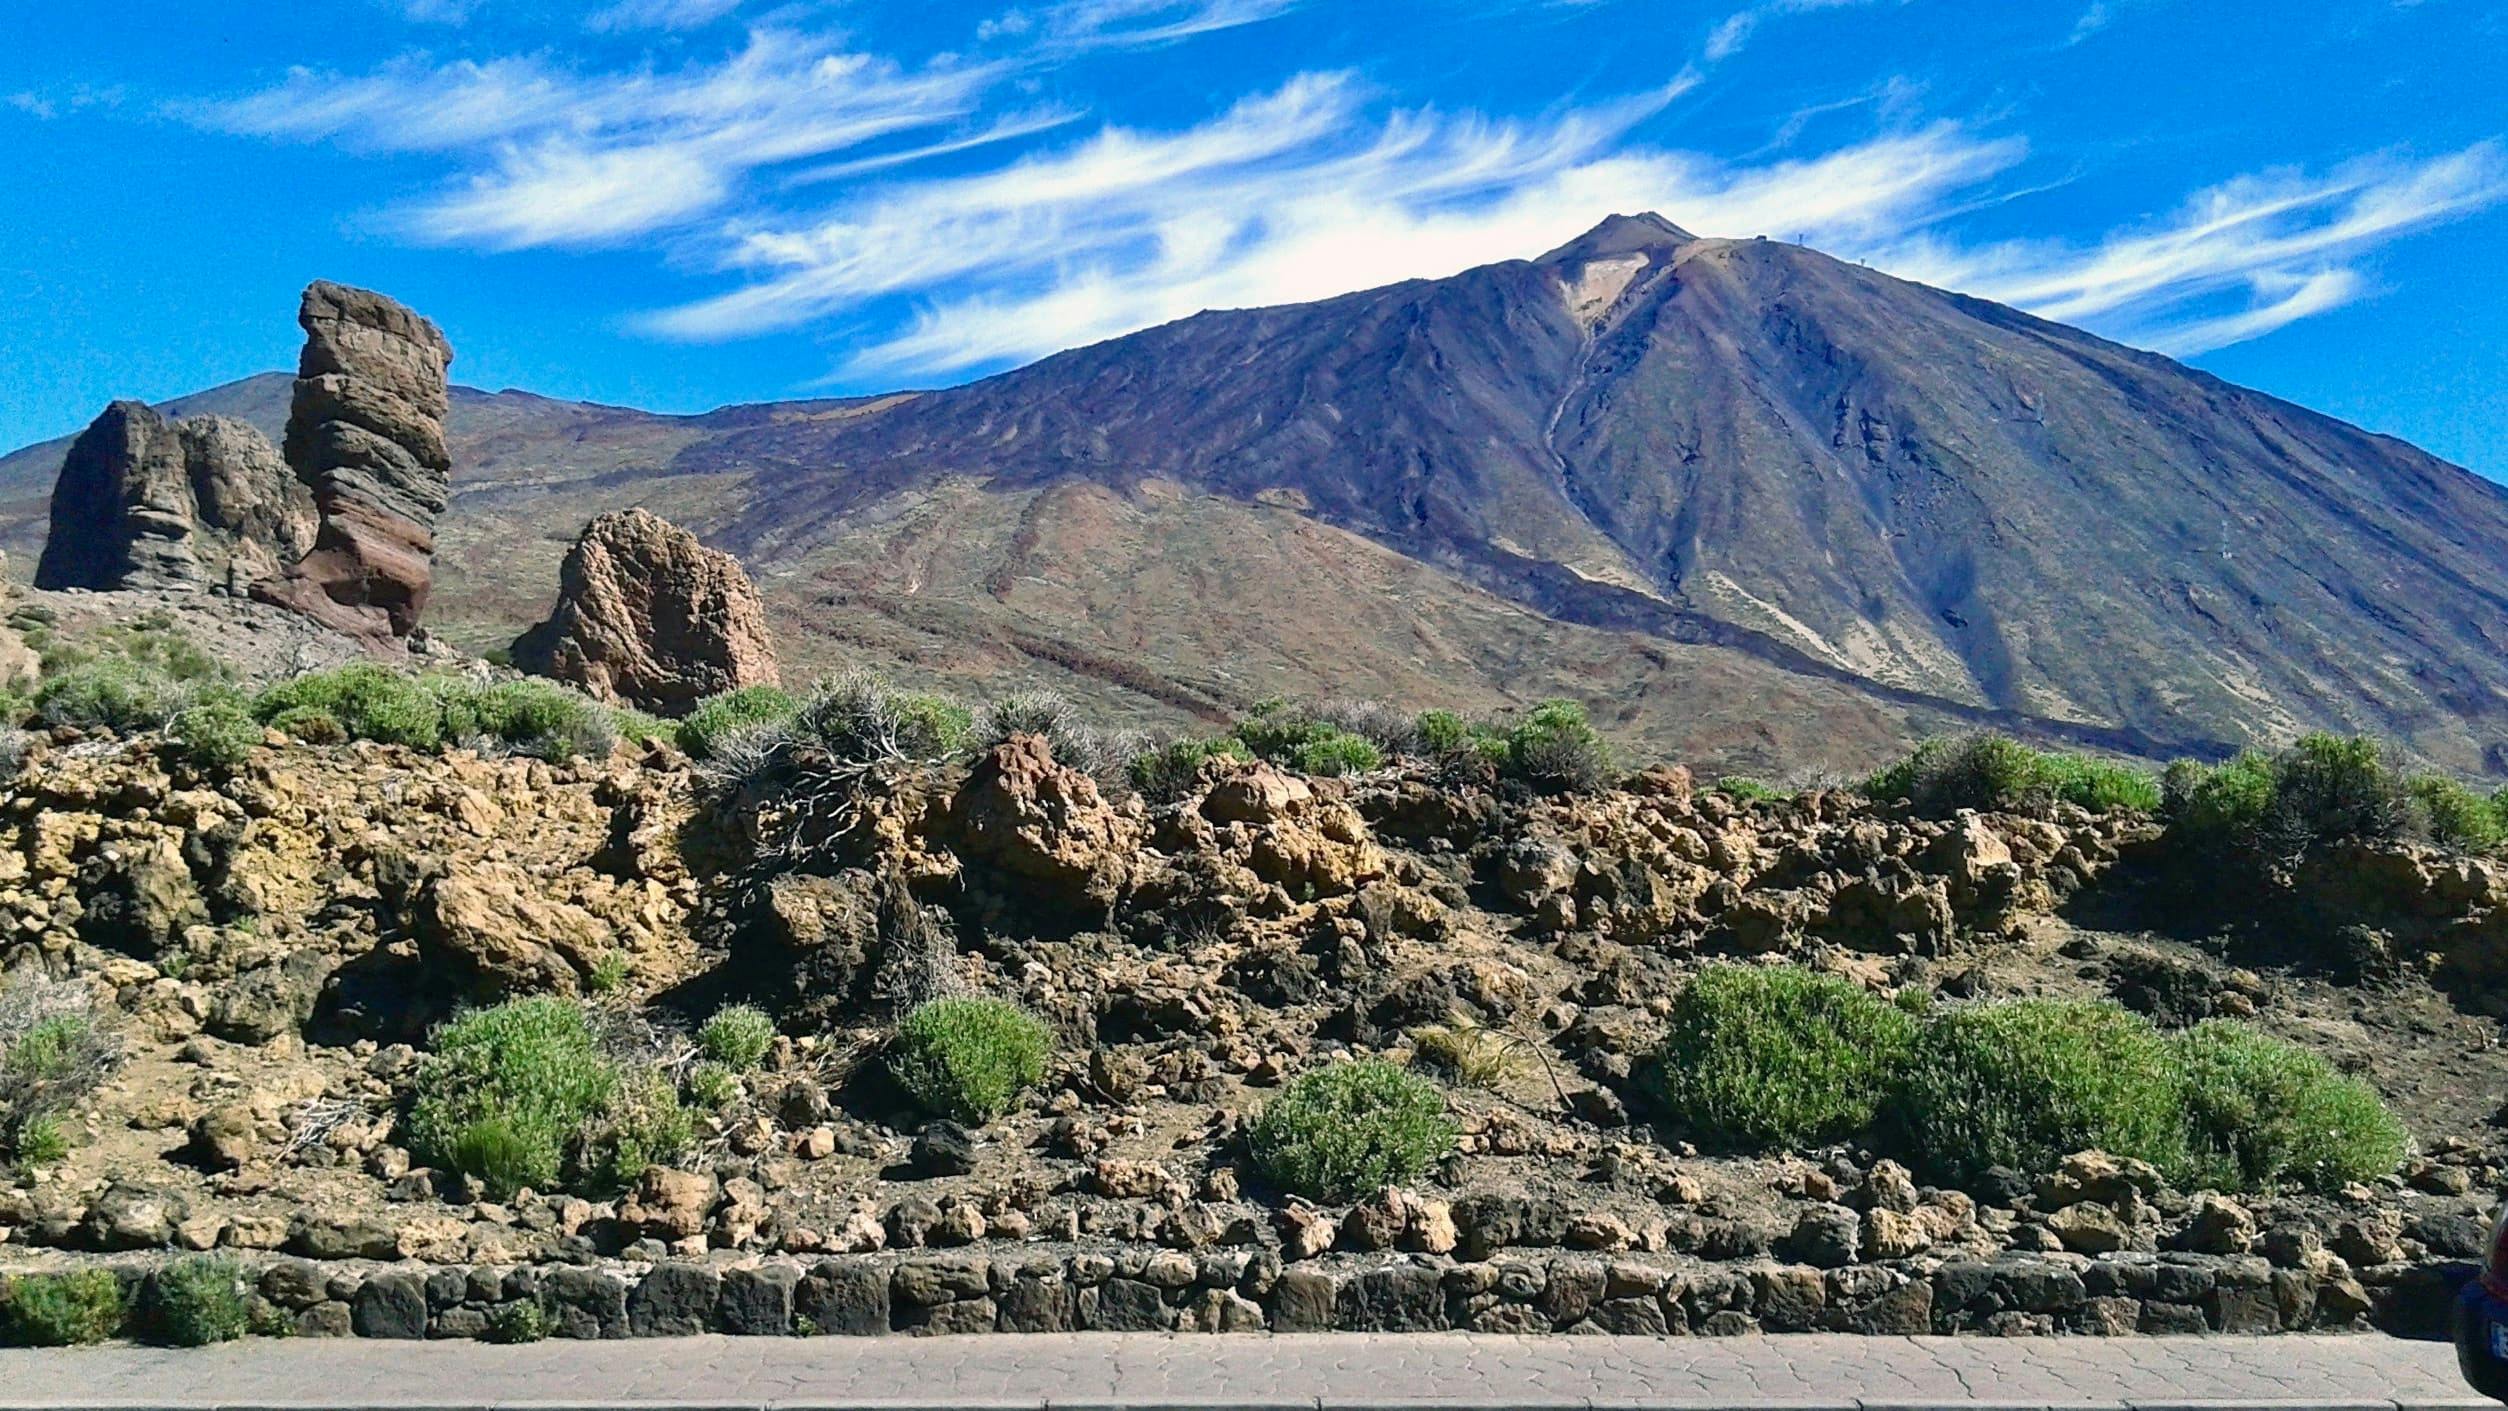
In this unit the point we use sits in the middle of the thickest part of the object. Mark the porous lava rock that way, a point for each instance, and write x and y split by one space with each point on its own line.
647 616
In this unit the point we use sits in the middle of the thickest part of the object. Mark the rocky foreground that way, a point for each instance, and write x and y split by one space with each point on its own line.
271 946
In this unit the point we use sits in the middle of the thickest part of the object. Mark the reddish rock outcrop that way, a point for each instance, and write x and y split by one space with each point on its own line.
647 616
1044 824
366 432
148 503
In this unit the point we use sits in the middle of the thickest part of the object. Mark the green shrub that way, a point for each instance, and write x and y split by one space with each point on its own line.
713 1084
1554 749
641 730
216 735
1340 1132
198 1300
1994 773
529 717
1742 789
53 1055
370 702
2455 816
609 973
510 1091
1168 772
1335 752
969 1058
111 693
643 1124
717 717
739 1037
2320 789
1778 1057
2264 1113
1441 732
520 1321
2026 1083
311 724
61 1310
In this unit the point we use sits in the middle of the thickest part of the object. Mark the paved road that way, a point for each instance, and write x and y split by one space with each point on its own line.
1454 1372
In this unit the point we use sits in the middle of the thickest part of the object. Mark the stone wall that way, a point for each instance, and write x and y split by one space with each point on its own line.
1251 1290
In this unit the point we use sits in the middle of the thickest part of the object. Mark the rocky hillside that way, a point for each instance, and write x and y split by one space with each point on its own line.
1758 507
259 946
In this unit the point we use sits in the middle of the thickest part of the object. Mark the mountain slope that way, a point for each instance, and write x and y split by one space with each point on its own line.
1757 505
1752 445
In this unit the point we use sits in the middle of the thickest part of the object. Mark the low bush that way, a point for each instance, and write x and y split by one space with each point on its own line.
1742 789
520 1321
739 1037
1343 1131
1167 772
2026 1083
522 1095
713 1084
1441 733
1469 1051
61 1310
1299 738
216 735
198 1300
1994 773
2264 1113
1554 749
53 1055
717 718
2454 816
968 1058
2320 789
112 693
311 724
540 719
1074 742
369 702
1778 1056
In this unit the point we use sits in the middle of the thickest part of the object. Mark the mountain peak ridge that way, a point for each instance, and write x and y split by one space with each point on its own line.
1644 233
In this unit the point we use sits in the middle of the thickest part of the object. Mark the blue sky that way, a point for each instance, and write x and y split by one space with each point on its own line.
681 203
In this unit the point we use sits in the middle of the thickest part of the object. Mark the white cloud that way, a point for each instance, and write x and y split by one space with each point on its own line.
2276 240
35 106
1102 24
1734 33
557 158
660 14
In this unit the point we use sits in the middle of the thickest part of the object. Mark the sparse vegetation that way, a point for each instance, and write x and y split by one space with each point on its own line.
216 735
1469 1051
1778 1057
1742 789
2028 1082
198 1300
1074 743
522 1095
2275 807
1994 773
969 1058
1342 1131
61 1310
53 1055
1306 740
1167 772
717 718
112 693
739 1036
520 1321
2264 1113
365 701
1554 749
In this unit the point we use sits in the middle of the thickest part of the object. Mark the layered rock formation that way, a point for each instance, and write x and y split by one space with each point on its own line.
366 431
148 503
649 617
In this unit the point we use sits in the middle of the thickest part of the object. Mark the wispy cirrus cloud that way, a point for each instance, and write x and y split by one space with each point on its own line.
1133 24
801 173
1734 32
552 157
2274 246
658 14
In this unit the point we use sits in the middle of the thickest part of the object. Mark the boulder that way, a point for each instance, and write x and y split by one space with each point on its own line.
1045 825
151 504
647 616
493 931
366 431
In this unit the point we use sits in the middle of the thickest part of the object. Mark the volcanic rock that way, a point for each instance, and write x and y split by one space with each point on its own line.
366 431
647 616
147 503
